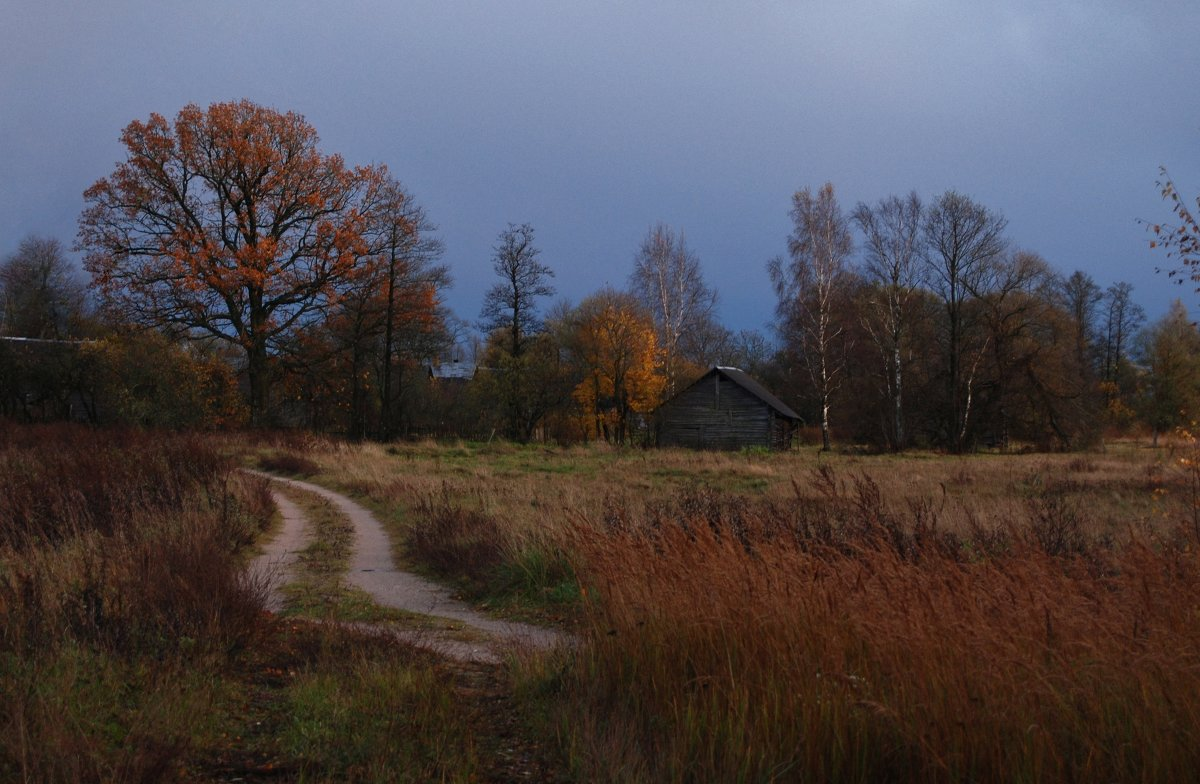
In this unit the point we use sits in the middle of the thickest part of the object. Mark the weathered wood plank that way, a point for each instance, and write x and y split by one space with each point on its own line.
717 413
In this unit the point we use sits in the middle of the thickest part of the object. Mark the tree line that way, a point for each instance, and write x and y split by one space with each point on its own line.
242 276
941 331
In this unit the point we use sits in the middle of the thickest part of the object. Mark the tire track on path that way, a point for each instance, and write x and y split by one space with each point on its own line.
273 567
373 570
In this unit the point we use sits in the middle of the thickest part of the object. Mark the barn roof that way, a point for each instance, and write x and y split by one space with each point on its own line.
758 390
462 371
744 381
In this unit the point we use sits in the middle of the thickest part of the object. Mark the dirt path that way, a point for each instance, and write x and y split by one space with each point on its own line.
279 554
372 570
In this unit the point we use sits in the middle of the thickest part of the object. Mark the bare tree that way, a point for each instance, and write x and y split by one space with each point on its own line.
510 308
41 295
407 250
808 288
1081 298
1014 292
748 350
893 245
1122 319
667 280
510 305
961 238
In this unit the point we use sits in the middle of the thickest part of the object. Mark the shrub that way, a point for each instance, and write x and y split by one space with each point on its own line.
288 463
464 544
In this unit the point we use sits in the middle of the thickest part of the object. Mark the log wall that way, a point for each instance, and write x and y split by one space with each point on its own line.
718 414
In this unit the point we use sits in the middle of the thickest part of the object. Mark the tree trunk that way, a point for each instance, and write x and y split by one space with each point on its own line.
256 370
897 398
385 404
256 360
956 420
358 397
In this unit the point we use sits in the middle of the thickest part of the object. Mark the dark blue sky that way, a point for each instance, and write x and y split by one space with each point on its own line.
595 120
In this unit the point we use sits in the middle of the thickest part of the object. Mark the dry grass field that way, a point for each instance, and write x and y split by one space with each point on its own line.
758 617
122 599
739 616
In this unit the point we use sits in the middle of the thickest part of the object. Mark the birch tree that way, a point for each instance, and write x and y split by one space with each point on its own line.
668 282
892 250
809 286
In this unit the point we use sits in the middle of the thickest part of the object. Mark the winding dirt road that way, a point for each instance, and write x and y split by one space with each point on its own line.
373 570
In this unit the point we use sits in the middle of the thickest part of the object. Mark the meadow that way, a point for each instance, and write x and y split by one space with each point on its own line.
740 616
817 617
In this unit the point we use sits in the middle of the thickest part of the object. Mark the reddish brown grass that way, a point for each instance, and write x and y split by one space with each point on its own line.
734 642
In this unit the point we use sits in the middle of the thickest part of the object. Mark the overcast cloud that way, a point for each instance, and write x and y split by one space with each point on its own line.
593 121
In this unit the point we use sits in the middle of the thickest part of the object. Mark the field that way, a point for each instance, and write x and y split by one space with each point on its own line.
740 616
754 617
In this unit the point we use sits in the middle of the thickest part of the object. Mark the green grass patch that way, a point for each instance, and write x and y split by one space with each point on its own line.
371 720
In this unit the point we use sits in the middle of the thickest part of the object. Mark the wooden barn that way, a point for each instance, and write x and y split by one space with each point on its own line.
725 409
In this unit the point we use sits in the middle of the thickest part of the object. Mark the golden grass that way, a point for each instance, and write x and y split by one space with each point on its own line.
801 616
1126 489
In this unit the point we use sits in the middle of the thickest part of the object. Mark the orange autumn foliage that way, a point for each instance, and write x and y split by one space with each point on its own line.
614 342
228 222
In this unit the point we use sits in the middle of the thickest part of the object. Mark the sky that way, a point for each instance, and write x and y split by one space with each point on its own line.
595 120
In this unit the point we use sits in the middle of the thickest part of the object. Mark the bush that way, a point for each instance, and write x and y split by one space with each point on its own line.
463 544
288 463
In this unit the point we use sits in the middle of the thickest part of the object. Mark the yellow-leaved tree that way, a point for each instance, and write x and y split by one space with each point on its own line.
612 340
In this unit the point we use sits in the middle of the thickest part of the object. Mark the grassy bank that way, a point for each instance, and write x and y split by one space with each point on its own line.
121 599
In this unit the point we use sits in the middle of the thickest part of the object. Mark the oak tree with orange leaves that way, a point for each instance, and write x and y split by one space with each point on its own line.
228 222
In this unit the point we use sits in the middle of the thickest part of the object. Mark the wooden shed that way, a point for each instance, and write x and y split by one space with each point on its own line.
725 409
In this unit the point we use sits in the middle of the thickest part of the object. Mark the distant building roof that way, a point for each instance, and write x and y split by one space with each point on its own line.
47 341
462 371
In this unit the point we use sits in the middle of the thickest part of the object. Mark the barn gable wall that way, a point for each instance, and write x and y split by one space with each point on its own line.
715 413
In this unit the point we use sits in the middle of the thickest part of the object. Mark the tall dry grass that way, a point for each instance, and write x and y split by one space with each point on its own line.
121 595
835 618
837 641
